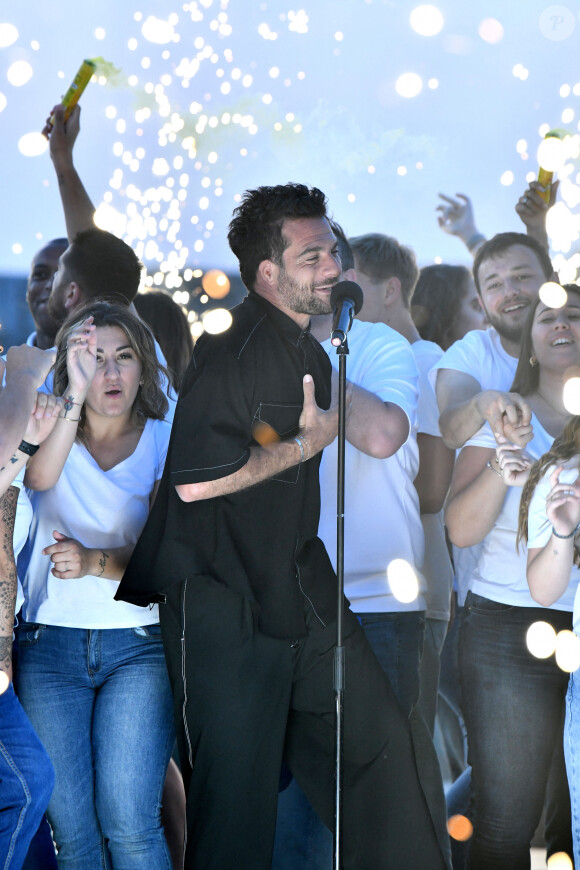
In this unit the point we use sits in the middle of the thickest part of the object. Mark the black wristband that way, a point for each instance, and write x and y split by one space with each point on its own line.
30 449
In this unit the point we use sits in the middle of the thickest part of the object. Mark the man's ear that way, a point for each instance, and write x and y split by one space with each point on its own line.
349 275
268 273
392 290
72 296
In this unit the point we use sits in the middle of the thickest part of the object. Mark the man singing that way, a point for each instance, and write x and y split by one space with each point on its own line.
249 613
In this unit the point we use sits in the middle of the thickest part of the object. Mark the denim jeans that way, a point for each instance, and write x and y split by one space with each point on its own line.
26 781
514 708
572 753
101 704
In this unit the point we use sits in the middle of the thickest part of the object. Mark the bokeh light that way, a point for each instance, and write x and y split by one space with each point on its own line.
571 394
568 651
460 828
217 320
19 73
3 102
403 581
560 861
491 30
8 35
541 639
158 31
551 154
553 295
32 144
427 20
216 284
409 85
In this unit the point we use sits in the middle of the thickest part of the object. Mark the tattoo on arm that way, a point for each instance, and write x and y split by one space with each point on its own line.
102 563
8 504
12 461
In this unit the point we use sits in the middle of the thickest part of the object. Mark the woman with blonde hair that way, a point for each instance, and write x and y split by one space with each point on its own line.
92 673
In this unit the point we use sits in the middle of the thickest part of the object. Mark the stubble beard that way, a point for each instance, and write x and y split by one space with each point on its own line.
301 298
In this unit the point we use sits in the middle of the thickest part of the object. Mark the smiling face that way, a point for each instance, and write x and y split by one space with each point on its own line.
556 334
509 284
310 266
42 270
115 385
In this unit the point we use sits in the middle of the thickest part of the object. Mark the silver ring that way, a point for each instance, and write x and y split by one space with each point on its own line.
526 200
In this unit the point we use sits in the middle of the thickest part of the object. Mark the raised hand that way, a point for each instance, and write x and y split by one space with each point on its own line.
81 359
456 216
43 417
515 463
563 503
508 415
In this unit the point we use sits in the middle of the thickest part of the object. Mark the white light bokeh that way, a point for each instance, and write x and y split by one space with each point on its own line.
491 30
8 35
409 85
32 144
403 581
553 295
541 639
3 102
19 73
571 395
560 861
507 178
568 651
157 30
217 320
427 20
551 154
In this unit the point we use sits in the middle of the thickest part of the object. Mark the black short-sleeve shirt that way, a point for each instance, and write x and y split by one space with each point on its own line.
262 541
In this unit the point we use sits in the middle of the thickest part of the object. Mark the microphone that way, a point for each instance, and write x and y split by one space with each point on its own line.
346 300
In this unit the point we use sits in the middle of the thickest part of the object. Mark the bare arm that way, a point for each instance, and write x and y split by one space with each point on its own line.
532 209
464 408
26 370
435 468
550 567
78 208
457 219
72 560
374 427
317 427
8 503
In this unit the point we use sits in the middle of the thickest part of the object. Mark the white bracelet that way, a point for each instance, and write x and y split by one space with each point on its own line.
301 446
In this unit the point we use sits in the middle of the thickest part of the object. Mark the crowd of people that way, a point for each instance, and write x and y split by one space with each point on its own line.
168 585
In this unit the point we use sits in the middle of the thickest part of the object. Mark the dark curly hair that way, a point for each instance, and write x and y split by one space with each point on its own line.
151 401
255 231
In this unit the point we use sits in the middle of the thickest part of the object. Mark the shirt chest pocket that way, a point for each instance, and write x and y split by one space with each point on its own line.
274 421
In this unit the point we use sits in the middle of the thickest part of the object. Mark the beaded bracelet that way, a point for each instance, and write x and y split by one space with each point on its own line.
565 537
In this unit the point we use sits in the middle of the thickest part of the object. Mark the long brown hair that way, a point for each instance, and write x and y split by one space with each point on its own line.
151 401
564 448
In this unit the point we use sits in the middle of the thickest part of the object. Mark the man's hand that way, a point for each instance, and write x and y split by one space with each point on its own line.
28 362
456 218
318 427
532 210
504 412
63 134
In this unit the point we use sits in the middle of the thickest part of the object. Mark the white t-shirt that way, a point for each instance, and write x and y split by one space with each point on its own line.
540 532
99 509
500 573
22 523
480 354
437 565
382 519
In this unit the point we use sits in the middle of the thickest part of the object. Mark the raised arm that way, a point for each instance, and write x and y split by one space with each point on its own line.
26 370
78 208
549 567
457 219
317 429
44 468
464 407
8 581
532 209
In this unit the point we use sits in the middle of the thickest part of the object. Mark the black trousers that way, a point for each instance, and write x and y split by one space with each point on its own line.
244 700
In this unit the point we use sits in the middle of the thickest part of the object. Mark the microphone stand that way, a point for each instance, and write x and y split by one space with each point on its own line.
339 669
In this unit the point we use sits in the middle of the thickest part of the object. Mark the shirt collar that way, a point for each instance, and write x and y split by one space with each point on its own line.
287 327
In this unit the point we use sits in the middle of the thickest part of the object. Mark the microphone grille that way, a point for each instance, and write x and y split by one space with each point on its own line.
347 290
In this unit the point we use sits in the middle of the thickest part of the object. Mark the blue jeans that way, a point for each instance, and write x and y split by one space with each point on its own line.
514 709
572 753
26 781
101 703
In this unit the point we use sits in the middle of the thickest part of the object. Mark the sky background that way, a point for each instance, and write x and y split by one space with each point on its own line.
290 91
